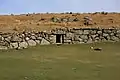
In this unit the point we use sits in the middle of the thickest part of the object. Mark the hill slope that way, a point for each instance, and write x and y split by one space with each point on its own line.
43 21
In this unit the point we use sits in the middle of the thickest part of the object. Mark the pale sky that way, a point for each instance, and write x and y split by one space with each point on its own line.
38 6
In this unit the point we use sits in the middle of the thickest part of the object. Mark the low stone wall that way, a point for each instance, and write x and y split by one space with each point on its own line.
62 35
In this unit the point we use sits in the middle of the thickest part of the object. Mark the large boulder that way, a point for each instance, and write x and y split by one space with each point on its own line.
44 42
16 39
14 45
31 43
23 45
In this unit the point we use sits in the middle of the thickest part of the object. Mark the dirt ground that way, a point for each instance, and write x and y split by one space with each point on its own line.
41 22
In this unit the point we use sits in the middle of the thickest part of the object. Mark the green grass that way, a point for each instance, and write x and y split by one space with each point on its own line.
66 62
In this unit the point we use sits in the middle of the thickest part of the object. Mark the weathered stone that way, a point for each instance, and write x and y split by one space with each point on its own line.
59 32
23 45
16 39
93 32
4 43
76 38
97 38
93 36
54 19
37 41
45 42
81 40
112 34
64 20
86 32
75 19
27 38
118 35
90 40
70 35
3 48
79 32
32 34
67 41
84 36
39 38
118 31
106 31
14 45
33 37
105 34
99 32
1 38
31 43
85 41
70 20
108 37
8 39
52 38
115 38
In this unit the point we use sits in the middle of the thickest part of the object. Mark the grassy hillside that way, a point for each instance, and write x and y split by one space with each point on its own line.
73 62
43 21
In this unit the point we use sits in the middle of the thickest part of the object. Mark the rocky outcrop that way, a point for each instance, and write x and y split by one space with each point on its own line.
65 19
63 35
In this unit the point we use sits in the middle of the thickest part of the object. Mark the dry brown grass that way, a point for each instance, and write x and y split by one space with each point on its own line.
34 22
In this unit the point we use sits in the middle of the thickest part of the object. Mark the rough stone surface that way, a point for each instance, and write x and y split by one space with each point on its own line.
37 41
23 45
32 43
14 45
44 42
68 36
16 39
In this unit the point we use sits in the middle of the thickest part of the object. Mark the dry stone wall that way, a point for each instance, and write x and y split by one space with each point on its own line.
59 35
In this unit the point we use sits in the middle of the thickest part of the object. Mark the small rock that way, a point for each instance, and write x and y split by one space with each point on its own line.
27 38
105 34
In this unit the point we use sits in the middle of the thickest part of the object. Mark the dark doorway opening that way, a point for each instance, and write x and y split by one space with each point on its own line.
58 38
